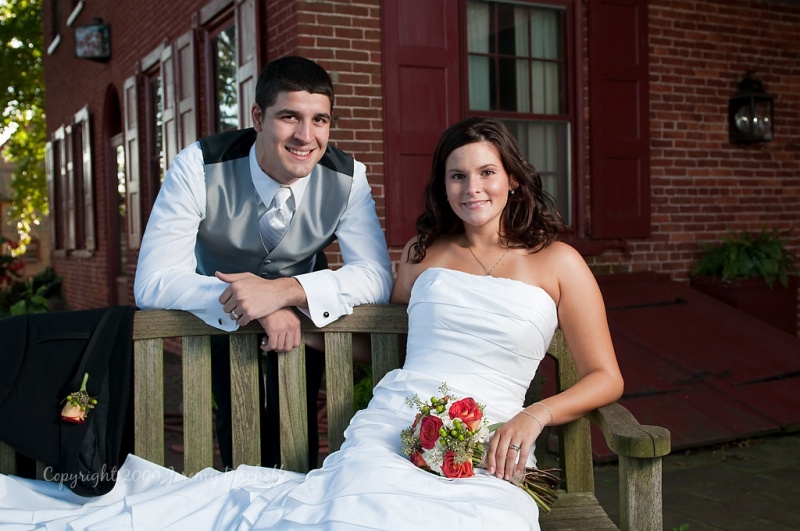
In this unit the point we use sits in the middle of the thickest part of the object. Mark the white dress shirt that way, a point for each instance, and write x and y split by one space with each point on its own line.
166 275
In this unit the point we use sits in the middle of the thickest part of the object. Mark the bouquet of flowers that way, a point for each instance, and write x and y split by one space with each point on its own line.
449 438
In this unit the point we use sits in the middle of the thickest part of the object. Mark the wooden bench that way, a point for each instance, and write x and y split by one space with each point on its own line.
638 447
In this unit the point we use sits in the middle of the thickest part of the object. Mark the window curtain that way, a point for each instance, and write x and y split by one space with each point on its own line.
478 35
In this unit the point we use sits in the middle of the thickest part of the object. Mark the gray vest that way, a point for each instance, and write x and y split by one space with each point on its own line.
228 239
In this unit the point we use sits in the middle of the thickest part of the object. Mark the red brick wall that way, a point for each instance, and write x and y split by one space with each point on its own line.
345 38
702 185
72 83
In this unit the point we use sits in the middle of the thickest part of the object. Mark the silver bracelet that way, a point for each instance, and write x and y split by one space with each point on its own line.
539 422
552 418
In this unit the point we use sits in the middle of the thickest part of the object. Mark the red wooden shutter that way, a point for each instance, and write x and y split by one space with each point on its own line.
132 197
185 89
619 119
82 119
422 97
247 58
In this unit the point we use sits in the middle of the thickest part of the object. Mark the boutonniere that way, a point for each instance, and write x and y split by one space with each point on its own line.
78 404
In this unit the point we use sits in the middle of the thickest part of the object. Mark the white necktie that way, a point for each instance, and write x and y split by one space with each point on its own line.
275 221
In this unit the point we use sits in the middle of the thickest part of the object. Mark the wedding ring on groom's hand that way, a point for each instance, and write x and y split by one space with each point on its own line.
234 316
513 447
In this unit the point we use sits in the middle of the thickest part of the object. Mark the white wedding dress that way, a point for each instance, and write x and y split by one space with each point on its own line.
483 336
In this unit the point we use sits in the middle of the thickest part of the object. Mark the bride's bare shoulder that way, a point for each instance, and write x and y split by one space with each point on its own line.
412 265
559 250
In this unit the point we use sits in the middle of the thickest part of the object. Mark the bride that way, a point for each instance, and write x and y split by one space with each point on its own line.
486 285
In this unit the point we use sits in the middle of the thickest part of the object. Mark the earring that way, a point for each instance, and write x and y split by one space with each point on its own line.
512 191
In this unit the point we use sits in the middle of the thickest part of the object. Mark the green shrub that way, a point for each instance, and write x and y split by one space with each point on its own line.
30 296
362 385
746 255
10 265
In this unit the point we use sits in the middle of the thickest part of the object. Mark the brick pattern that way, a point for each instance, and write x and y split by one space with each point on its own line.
702 186
345 38
72 83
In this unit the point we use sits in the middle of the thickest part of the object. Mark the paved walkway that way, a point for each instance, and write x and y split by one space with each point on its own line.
748 485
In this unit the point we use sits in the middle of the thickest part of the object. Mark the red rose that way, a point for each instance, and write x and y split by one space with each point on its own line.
429 431
451 469
418 460
468 412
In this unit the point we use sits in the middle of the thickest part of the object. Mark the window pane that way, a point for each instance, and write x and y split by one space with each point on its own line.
546 40
121 182
516 58
121 201
224 54
517 65
545 89
155 98
77 185
479 93
546 146
59 199
478 27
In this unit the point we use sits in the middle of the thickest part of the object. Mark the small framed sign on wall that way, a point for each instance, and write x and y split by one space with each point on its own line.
93 41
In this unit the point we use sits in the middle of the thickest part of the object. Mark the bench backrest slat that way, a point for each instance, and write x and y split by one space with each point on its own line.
575 443
198 447
148 395
340 402
245 409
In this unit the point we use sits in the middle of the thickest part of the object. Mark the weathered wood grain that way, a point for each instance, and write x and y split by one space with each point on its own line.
640 447
148 399
246 420
198 434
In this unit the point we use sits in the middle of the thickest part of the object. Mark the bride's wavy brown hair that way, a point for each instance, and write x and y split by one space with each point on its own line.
530 218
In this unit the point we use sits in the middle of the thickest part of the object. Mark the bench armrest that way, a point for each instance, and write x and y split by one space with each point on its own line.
640 449
626 437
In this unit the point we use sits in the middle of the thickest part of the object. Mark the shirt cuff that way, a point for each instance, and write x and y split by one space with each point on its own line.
214 315
322 296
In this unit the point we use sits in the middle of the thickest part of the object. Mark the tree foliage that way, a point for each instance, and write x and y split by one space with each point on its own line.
22 104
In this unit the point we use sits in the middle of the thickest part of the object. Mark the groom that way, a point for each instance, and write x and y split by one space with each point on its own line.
216 246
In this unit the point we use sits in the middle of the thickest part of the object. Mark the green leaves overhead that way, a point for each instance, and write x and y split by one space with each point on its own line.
22 106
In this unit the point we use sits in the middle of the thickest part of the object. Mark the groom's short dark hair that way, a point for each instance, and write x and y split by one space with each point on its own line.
291 74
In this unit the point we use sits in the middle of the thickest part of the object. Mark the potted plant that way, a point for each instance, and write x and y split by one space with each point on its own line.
754 272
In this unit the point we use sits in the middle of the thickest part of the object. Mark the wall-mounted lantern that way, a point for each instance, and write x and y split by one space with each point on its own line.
93 41
750 113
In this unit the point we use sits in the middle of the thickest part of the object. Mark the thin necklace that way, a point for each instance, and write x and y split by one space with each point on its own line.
487 271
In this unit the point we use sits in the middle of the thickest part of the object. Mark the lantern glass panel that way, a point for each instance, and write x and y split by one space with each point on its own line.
742 119
762 121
